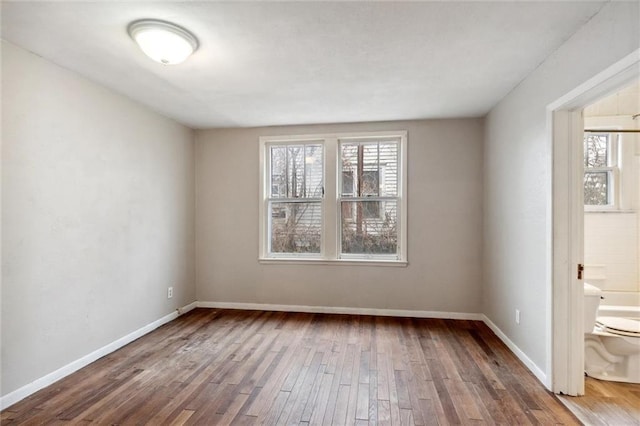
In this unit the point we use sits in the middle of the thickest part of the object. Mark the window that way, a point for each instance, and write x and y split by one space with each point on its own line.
295 198
334 198
600 170
369 197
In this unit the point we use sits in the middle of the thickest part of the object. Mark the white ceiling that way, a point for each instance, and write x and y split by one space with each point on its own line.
263 63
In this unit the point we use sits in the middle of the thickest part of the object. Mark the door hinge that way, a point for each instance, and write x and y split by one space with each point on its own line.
580 270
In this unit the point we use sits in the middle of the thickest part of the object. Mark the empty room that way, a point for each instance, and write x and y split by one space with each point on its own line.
320 212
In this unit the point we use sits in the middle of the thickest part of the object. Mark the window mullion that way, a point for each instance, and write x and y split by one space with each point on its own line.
599 169
330 206
370 198
265 179
295 200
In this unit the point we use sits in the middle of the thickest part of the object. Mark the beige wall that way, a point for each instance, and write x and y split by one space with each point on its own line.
97 217
444 219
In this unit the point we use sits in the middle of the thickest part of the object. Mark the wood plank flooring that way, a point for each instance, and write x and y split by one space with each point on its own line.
606 403
251 367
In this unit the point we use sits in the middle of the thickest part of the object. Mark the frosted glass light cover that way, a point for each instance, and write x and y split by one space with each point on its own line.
163 42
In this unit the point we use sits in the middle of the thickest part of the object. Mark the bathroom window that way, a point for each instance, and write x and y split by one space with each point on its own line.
600 170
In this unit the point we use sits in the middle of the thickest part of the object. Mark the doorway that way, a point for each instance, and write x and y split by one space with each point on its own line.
567 218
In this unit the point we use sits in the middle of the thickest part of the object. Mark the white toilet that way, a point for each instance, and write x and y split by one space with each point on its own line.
612 344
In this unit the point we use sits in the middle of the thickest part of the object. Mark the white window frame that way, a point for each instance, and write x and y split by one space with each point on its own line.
266 189
331 232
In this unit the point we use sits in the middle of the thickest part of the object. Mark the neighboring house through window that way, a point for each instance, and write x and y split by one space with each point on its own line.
338 197
370 179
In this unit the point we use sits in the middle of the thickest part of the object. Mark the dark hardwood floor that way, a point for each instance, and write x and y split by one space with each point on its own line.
251 367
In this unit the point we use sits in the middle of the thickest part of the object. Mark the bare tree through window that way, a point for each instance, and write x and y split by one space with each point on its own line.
597 164
295 200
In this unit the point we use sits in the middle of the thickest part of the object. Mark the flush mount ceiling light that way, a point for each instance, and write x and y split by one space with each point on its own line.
163 41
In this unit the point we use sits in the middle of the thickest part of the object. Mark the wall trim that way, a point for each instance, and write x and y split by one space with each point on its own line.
537 371
31 388
191 306
342 310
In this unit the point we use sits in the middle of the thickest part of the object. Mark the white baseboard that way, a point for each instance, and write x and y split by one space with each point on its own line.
187 308
26 390
341 310
540 375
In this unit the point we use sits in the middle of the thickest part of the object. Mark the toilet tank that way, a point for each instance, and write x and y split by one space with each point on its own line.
592 296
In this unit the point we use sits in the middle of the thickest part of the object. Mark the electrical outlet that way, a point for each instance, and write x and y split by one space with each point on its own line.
169 292
517 316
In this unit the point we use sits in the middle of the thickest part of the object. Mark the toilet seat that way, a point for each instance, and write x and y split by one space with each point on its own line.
620 326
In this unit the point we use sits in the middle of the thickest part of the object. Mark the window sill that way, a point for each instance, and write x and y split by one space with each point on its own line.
333 262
